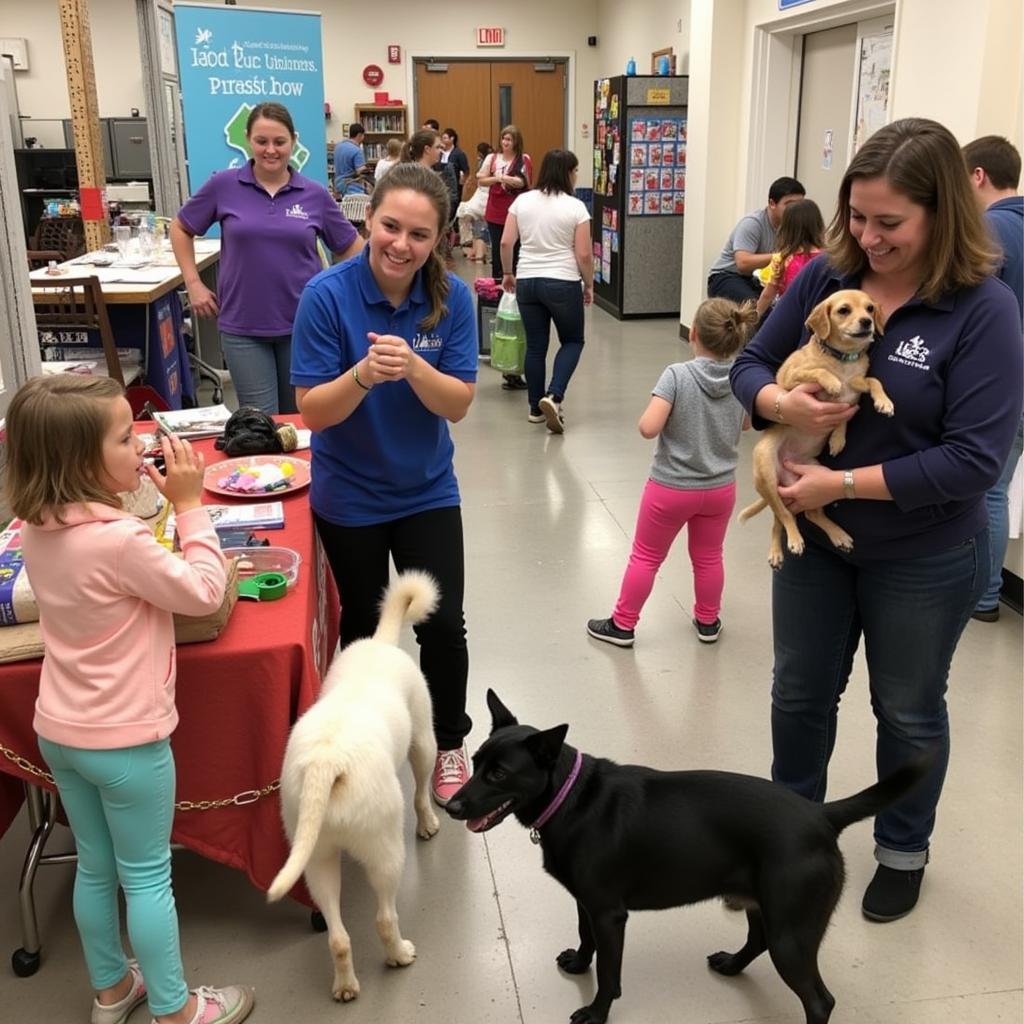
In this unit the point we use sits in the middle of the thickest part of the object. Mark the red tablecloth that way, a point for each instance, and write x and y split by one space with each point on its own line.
237 698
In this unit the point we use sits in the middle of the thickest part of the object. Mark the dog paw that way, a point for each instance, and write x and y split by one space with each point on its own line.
427 825
588 1015
836 444
724 963
775 559
842 540
345 992
795 545
404 956
886 408
571 962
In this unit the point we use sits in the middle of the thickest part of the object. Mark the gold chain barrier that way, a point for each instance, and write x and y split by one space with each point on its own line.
247 796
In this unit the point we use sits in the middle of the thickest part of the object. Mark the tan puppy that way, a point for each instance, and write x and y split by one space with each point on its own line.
339 782
842 327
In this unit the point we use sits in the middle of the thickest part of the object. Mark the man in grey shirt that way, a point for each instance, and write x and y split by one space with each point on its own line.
751 245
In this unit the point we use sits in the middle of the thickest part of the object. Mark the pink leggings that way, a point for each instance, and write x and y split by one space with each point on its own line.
664 511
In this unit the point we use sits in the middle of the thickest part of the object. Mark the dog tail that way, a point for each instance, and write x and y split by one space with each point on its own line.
870 801
751 510
317 781
411 598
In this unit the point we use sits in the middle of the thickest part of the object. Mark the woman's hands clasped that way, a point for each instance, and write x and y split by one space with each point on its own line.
389 358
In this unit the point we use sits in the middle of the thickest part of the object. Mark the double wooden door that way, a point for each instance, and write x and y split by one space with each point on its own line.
478 98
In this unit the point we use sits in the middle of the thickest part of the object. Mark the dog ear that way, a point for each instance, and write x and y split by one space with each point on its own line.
500 715
880 319
820 322
545 746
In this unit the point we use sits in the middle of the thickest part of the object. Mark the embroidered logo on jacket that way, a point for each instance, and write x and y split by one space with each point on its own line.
296 211
912 353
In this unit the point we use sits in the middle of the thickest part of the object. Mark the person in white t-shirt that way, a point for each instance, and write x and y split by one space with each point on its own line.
554 279
392 152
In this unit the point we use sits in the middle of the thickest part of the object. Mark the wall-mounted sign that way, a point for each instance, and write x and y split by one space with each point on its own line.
373 74
394 55
490 37
659 97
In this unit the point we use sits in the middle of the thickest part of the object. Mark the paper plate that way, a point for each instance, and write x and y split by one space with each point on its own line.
219 470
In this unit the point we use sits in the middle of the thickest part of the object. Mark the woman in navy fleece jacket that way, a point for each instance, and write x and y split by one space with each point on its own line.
910 490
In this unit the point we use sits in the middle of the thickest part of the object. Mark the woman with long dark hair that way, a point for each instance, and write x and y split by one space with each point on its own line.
554 279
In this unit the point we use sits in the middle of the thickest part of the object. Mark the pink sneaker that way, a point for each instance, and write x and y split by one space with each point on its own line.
117 1013
451 773
226 1005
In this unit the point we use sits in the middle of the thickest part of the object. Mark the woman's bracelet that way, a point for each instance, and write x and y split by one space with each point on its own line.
778 405
355 377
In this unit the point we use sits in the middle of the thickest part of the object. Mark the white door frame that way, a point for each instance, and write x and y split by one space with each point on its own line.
777 58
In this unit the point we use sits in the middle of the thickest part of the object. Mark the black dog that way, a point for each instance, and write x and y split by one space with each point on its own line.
624 837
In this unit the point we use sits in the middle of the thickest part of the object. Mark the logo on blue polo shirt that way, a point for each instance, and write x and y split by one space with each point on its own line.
912 353
296 210
427 343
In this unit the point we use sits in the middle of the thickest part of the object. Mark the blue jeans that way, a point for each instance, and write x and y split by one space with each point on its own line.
911 613
999 523
120 804
261 371
541 300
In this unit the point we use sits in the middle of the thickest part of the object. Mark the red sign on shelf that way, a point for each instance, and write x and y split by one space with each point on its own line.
394 55
490 37
373 74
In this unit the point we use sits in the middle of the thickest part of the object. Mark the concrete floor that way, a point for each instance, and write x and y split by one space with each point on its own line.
548 527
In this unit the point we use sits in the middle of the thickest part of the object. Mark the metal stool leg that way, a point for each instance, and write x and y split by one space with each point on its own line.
42 810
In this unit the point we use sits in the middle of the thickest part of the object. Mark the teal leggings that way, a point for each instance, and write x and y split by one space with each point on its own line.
120 804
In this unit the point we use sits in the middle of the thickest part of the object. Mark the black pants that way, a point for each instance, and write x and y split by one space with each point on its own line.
431 541
496 231
729 285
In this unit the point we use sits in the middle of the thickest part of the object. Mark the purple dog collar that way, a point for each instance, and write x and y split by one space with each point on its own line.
558 801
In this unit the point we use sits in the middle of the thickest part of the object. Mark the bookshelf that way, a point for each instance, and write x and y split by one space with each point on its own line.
381 123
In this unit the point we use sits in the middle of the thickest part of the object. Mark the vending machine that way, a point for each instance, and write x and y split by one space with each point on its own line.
639 201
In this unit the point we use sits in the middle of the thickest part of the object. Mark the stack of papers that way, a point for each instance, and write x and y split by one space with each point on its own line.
194 423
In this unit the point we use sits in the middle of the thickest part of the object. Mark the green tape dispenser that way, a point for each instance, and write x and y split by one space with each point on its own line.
264 586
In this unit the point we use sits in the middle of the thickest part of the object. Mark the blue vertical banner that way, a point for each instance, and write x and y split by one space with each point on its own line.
230 59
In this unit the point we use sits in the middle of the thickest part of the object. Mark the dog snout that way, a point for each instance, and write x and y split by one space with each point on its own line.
866 323
456 808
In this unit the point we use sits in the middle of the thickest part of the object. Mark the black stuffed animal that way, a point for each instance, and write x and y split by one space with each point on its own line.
250 432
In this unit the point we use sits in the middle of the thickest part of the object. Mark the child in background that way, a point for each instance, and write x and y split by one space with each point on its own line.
801 235
697 422
106 592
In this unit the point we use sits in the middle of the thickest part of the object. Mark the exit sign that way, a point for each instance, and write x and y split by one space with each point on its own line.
490 37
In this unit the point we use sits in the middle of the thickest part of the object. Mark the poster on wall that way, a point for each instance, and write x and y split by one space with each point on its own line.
657 167
232 58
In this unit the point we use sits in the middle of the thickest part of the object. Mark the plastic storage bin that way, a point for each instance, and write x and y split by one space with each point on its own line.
253 561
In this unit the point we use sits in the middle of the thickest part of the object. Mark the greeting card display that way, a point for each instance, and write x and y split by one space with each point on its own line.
657 167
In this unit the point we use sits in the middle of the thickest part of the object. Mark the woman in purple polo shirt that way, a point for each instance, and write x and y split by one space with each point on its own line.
909 489
271 218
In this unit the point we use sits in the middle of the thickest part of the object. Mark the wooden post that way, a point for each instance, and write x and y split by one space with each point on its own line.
85 119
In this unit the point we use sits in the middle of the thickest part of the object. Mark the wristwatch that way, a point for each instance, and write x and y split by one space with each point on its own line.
848 489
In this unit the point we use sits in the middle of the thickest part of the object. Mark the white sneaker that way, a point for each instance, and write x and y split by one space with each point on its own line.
552 411
118 1013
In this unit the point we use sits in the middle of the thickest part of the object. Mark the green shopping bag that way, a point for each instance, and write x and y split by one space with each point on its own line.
508 346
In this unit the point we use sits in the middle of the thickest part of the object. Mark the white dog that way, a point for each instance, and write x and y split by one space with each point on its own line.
339 783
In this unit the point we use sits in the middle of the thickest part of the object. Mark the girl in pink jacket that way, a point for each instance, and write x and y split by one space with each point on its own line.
106 592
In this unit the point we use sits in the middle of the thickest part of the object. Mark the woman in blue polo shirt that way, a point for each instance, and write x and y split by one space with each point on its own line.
384 357
909 489
271 218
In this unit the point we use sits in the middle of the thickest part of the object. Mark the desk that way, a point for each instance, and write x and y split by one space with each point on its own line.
145 312
237 697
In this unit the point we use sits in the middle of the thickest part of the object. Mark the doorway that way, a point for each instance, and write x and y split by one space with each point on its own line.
478 98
